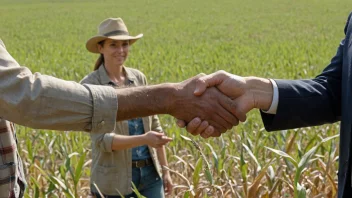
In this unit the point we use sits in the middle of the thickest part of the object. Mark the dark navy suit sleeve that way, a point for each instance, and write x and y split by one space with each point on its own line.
312 102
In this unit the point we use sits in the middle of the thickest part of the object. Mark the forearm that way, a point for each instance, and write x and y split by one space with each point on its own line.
121 142
262 91
305 103
144 101
45 102
161 152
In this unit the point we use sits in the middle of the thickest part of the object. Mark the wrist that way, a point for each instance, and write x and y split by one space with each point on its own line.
165 172
169 93
143 139
144 101
262 91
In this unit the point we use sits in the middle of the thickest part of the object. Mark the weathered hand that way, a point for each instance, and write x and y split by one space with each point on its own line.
197 127
231 85
247 93
156 139
213 106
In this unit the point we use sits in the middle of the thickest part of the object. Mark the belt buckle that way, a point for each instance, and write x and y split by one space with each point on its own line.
140 163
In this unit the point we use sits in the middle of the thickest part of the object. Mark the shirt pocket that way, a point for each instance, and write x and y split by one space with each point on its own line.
109 180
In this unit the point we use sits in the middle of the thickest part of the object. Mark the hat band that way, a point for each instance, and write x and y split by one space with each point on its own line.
116 32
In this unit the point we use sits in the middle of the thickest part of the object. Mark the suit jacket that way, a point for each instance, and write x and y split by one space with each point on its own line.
325 99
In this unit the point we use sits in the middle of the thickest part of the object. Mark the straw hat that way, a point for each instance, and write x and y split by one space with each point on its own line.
112 28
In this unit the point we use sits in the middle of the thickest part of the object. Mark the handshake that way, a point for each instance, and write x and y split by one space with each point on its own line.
209 105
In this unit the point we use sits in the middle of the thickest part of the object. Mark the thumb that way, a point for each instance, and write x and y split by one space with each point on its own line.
209 81
181 123
166 138
160 134
201 86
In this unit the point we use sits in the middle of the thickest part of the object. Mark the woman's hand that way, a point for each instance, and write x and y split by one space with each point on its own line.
156 139
167 181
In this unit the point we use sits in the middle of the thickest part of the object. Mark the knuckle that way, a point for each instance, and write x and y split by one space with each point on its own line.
222 72
232 104
198 80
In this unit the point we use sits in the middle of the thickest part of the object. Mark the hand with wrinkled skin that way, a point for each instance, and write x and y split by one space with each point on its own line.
246 92
197 127
212 106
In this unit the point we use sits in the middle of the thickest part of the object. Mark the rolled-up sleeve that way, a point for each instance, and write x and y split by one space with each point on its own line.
156 124
103 141
104 108
45 102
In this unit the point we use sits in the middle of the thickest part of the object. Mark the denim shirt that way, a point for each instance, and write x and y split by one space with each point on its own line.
135 127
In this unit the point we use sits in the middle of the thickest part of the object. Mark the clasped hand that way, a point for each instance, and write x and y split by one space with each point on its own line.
223 101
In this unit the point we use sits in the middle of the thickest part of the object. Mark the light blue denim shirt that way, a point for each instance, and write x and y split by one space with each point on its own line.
135 127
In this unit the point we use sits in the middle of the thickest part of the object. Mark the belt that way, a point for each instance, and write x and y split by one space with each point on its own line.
142 163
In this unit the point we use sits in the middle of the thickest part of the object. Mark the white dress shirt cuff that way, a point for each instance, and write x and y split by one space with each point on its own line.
275 102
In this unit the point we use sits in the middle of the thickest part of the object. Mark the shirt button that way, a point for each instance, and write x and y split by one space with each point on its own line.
101 124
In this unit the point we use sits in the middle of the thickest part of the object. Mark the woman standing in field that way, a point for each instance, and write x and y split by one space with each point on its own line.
134 151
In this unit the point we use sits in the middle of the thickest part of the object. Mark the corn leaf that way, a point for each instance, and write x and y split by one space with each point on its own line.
283 154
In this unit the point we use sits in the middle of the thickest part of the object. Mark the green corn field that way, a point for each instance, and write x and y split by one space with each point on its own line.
291 39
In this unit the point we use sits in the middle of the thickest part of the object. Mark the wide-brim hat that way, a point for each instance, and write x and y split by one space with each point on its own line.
112 28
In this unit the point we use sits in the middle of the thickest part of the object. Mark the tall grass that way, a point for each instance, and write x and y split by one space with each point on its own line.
272 38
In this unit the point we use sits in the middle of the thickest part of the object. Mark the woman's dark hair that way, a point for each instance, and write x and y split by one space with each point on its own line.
100 60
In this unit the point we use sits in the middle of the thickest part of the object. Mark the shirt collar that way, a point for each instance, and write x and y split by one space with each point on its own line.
104 78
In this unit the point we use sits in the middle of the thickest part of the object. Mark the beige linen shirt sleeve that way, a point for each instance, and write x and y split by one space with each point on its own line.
156 124
102 141
45 102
